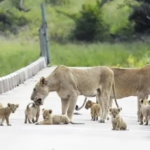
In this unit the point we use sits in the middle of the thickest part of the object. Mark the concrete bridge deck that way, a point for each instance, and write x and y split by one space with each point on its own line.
92 135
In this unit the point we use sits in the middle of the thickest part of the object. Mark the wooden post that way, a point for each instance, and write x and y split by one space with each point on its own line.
45 33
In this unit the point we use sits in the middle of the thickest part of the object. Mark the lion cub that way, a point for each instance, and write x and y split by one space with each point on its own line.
117 121
31 112
95 109
6 111
50 119
144 111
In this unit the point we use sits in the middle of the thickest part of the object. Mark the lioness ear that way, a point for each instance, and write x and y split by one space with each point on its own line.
50 111
149 102
42 81
17 105
141 101
8 104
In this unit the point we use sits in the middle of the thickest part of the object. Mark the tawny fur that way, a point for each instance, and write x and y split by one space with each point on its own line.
1 106
95 109
144 112
50 119
69 83
6 111
131 82
117 121
31 113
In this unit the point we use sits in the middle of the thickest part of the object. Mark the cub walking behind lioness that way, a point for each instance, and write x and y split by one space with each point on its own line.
6 111
31 112
117 121
95 109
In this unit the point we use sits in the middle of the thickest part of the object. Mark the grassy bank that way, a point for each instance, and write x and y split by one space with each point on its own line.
15 55
123 54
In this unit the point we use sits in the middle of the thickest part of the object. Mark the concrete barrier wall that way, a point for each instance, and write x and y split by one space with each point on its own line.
18 77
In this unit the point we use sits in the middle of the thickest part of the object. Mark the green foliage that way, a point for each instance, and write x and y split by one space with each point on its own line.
141 17
57 2
10 22
117 54
89 25
15 55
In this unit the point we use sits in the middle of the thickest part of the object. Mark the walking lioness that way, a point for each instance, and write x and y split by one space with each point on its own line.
130 82
69 83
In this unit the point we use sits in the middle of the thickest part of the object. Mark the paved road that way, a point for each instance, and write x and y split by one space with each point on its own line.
92 135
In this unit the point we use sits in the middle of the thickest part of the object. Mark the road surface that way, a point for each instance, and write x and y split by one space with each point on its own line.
90 136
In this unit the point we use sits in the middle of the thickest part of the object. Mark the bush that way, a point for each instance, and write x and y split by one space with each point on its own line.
141 18
57 2
89 25
10 22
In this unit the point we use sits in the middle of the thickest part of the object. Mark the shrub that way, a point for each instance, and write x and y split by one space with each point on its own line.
57 2
141 18
89 25
10 22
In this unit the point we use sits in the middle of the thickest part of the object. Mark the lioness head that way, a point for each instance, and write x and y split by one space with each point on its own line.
114 112
88 104
40 92
13 107
46 113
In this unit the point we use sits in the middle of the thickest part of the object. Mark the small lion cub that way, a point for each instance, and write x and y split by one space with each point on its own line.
50 119
6 111
31 112
117 121
144 111
95 109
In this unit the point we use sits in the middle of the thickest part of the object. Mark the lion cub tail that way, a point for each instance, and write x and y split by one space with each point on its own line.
75 123
29 105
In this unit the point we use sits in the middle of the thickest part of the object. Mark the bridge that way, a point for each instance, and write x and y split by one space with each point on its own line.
91 135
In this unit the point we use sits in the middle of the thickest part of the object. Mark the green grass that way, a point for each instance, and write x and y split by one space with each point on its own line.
15 55
123 54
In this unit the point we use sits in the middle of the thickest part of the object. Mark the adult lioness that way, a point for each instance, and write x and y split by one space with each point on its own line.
69 83
130 82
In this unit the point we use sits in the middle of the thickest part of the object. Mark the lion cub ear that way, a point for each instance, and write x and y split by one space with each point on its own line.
17 105
43 81
119 109
8 104
43 109
141 101
110 109
50 111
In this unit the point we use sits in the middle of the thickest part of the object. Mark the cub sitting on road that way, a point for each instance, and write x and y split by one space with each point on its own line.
31 112
117 121
95 109
6 111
